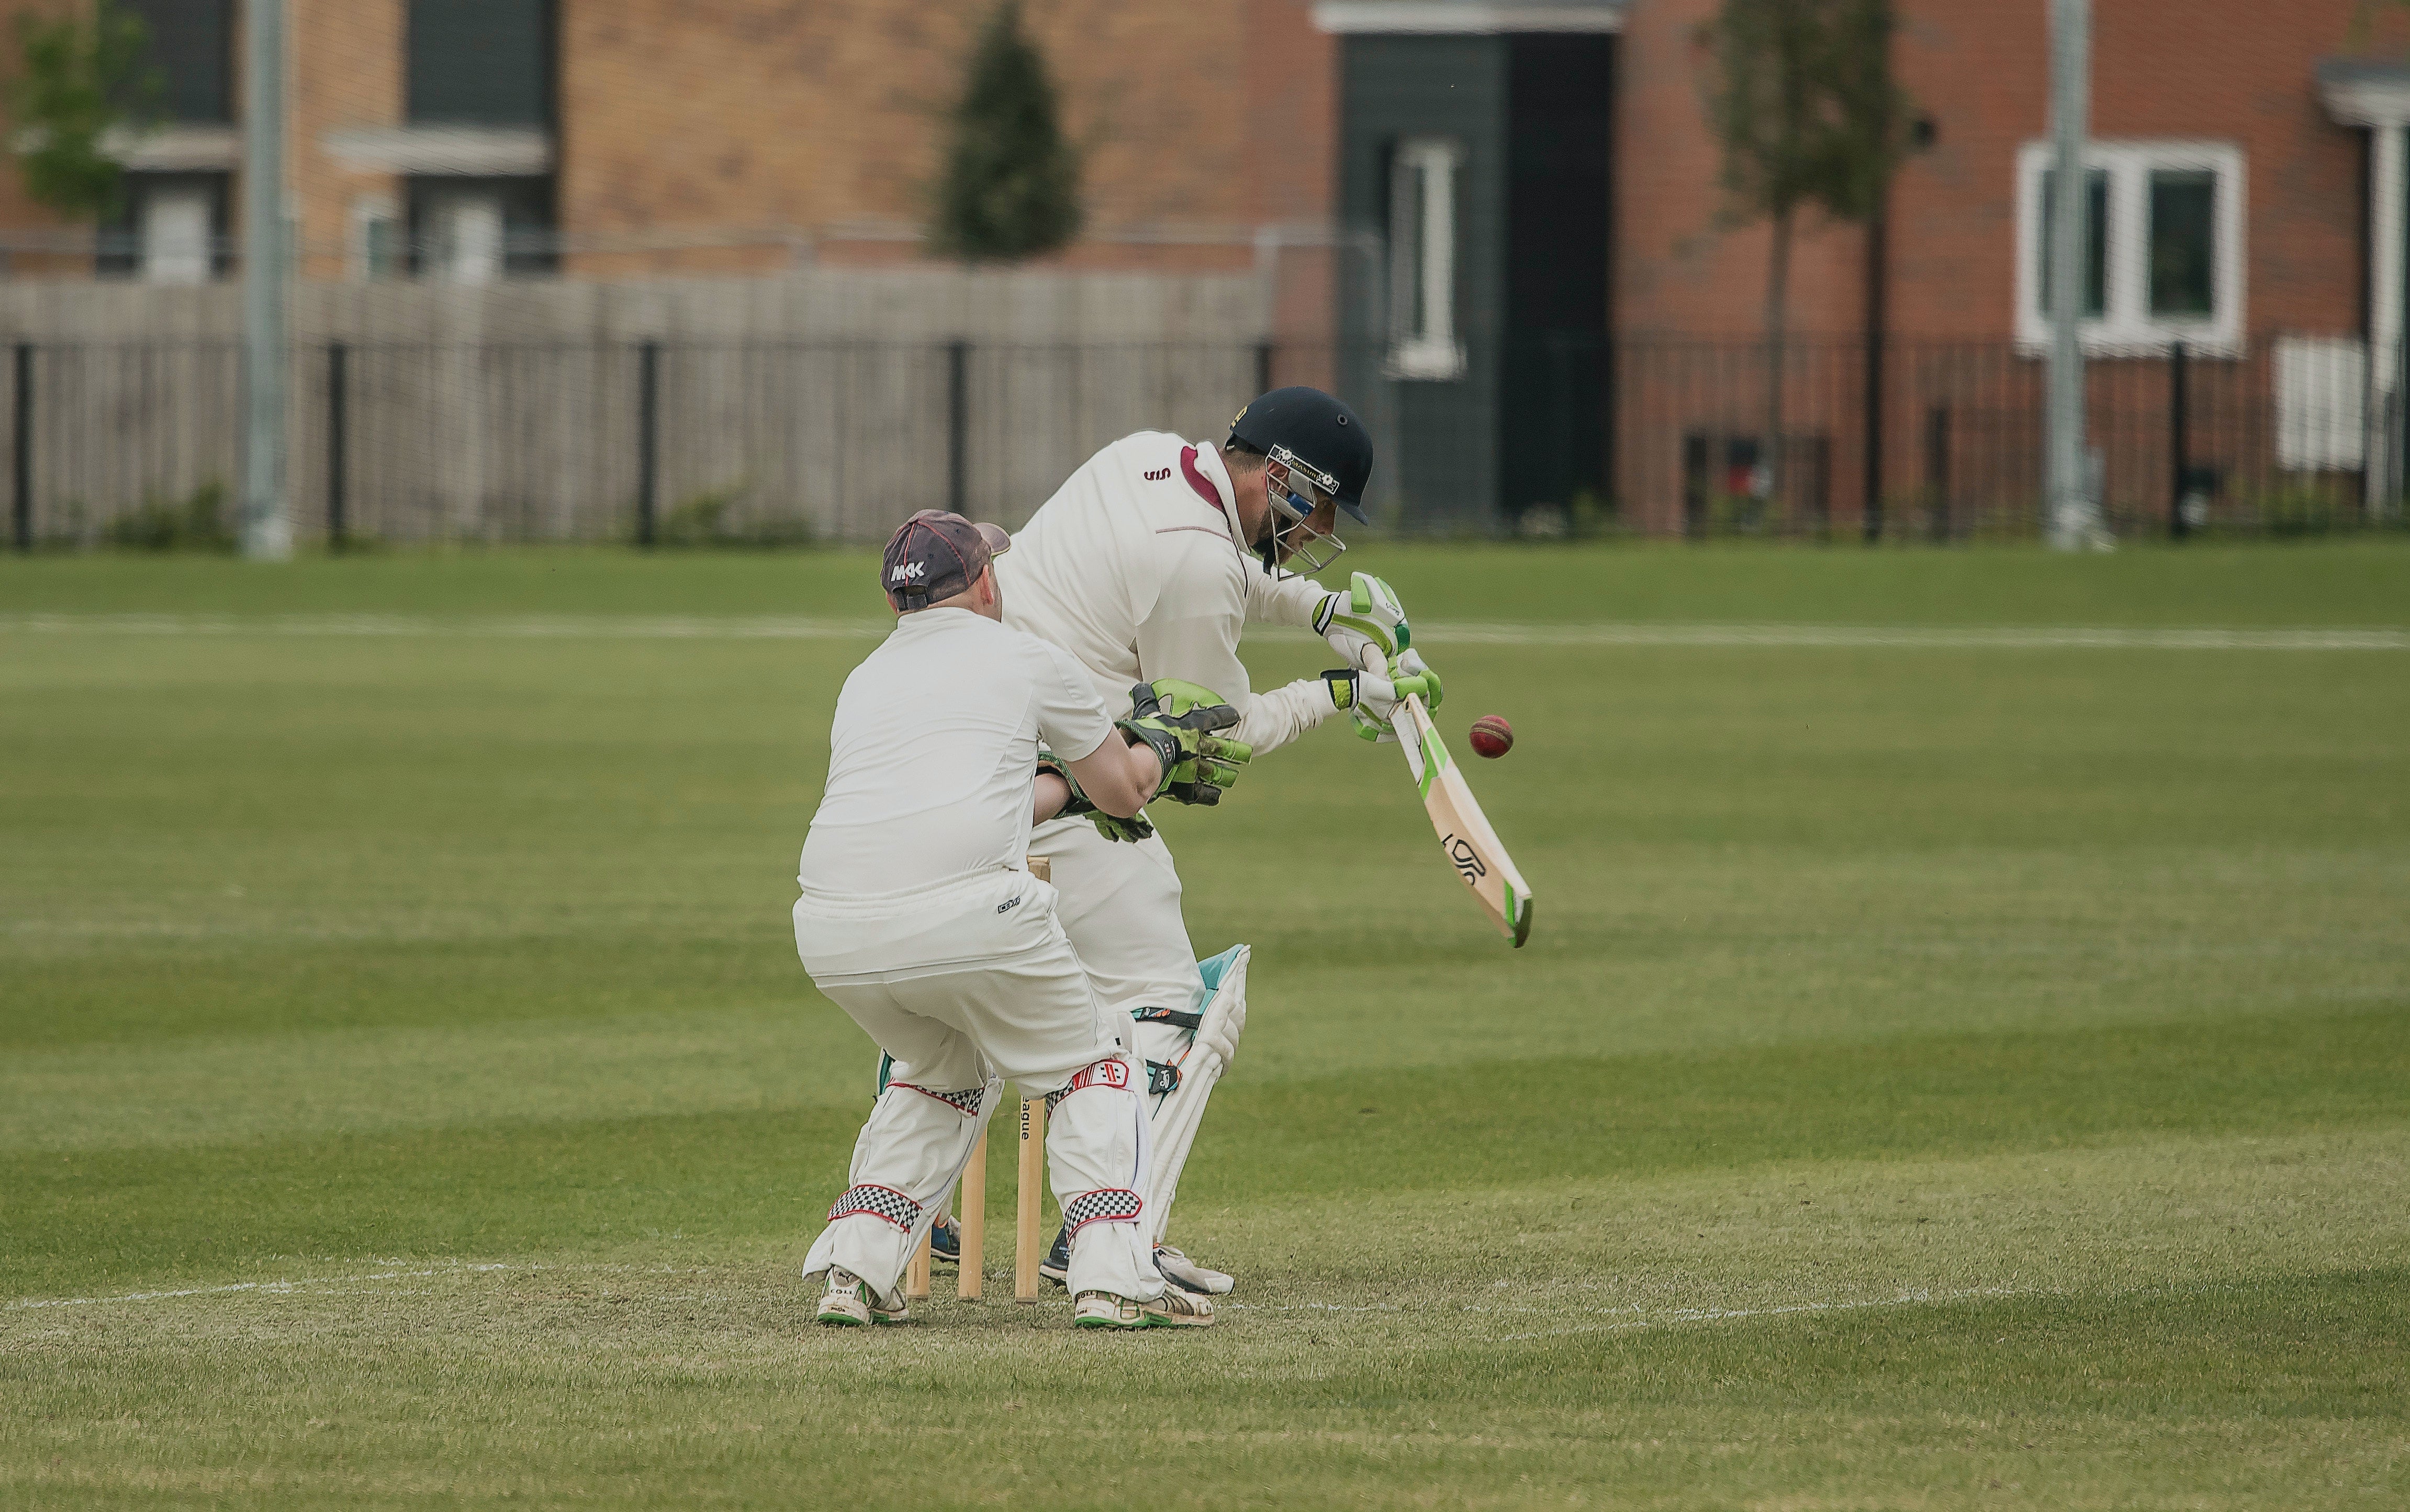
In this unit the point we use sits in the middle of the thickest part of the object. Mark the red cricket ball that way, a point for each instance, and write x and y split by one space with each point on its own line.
1492 736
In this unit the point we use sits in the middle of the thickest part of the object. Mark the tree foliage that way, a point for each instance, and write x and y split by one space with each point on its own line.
1802 105
1012 185
76 80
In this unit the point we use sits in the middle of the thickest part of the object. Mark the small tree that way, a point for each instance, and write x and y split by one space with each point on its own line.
76 80
1011 186
1801 101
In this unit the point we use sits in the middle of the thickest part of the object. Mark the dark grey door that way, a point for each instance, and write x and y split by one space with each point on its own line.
1490 394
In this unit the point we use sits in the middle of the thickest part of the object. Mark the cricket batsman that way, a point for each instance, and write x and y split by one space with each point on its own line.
920 919
1148 564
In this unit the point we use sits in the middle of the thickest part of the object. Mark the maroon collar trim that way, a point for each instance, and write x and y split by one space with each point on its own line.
1205 489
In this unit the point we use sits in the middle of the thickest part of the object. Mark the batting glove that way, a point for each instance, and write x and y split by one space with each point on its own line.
1364 622
1177 720
1409 664
1370 699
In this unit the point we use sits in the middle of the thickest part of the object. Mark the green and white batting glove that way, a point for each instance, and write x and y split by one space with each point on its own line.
1410 663
1369 620
1177 720
1368 700
1137 826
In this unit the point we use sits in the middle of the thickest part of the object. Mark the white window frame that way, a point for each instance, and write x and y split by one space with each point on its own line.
2126 323
377 242
1422 260
176 221
468 234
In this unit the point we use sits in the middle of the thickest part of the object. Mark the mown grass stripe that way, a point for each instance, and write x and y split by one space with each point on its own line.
777 628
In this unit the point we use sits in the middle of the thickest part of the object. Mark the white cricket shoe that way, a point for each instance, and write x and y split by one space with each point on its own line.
1188 1276
849 1303
1175 1309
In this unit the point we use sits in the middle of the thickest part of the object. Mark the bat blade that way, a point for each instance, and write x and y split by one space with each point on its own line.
1472 847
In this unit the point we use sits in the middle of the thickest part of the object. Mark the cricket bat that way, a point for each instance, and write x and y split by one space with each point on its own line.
1464 833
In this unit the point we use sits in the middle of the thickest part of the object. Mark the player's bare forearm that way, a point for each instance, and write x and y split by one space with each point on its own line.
1118 776
1053 792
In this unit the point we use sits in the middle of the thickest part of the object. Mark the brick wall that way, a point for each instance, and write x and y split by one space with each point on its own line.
700 134
1197 121
347 72
2239 71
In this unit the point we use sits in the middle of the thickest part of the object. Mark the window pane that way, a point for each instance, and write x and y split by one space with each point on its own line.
189 50
485 62
2095 242
2184 218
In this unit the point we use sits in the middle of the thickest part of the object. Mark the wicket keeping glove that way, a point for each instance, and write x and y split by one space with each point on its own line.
1137 826
1177 720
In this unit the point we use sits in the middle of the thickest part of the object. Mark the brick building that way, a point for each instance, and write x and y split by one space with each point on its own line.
471 139
1495 223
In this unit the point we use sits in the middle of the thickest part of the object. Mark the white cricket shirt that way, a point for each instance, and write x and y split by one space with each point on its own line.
932 755
1134 566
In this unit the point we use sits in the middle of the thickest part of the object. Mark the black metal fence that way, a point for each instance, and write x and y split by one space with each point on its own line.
785 440
2278 438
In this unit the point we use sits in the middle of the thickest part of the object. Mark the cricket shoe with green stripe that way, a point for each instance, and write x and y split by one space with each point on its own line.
1176 1268
849 1303
1175 1309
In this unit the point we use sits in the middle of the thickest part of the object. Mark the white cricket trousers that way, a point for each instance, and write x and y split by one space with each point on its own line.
1120 904
966 984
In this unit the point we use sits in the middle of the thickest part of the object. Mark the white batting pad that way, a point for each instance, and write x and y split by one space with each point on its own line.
1095 1151
1202 1056
910 1152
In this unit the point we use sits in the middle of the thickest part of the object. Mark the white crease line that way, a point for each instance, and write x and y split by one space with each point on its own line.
1726 1315
329 1286
324 1285
1643 1320
736 627
276 1289
1923 637
546 626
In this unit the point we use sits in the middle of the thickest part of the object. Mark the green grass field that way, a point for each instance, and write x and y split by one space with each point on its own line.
1946 1071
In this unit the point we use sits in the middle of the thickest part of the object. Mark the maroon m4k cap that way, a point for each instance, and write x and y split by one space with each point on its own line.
936 554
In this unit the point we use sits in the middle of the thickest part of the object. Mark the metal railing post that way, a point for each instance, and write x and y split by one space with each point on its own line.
958 427
649 464
338 444
2179 461
20 470
1937 470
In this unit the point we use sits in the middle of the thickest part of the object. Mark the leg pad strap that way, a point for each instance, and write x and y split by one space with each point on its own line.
879 1202
1108 1205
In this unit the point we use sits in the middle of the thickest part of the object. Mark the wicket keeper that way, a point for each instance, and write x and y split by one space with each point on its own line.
919 917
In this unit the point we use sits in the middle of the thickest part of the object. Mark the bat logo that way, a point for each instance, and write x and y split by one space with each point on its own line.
1468 861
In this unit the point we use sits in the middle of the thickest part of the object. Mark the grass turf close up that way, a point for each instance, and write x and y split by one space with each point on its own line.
1939 1076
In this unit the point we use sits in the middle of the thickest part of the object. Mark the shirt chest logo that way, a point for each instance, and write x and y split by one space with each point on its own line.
1158 475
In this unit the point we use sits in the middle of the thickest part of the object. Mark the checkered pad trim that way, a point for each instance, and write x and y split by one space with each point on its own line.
879 1202
1109 1204
966 1103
